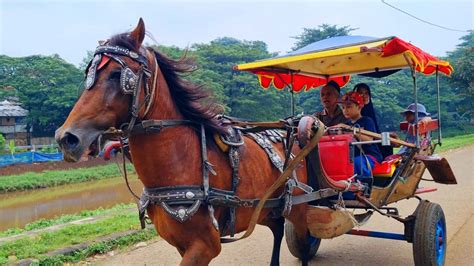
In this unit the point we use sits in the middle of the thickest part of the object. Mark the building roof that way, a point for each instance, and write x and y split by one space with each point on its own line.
9 109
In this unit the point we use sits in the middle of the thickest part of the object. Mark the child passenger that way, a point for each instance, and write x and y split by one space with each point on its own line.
352 104
409 114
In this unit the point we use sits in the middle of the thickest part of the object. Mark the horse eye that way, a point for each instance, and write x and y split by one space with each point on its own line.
115 75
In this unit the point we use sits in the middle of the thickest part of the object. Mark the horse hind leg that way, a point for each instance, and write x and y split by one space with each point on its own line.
277 226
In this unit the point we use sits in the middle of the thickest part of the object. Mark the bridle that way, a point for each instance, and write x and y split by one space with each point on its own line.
130 81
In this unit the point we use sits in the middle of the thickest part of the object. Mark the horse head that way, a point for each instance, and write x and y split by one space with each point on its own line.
126 83
115 75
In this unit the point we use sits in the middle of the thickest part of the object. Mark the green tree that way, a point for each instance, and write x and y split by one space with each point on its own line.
462 81
46 86
322 32
239 91
85 61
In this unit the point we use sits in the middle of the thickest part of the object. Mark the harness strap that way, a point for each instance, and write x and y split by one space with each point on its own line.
155 126
153 88
279 182
234 157
124 167
267 146
190 195
206 168
136 101
121 51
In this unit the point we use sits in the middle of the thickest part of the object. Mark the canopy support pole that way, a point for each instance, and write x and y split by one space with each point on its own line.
439 105
292 96
415 94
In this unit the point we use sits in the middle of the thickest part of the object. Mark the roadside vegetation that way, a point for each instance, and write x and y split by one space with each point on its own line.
45 179
99 248
456 142
37 246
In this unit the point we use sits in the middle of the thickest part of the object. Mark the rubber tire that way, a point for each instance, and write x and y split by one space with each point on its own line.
298 248
429 222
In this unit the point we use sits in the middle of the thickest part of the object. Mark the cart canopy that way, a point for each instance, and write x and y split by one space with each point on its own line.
338 58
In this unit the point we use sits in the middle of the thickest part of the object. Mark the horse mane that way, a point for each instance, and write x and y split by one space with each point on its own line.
186 95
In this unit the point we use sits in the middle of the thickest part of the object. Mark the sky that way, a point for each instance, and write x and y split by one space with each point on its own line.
71 28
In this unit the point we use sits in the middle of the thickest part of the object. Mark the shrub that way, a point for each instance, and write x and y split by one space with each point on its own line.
2 142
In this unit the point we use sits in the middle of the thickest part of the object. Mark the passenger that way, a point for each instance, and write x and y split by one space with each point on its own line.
368 110
364 162
409 114
331 115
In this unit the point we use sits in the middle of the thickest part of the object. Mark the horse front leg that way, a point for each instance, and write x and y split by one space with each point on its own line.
199 253
197 241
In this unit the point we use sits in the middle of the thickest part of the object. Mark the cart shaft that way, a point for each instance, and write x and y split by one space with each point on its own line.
377 234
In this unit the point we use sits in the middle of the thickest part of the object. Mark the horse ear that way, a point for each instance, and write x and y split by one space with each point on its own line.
138 34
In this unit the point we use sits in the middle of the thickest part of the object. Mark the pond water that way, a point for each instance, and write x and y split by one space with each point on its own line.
20 208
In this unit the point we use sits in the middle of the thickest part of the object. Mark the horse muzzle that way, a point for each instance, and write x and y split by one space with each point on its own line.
77 143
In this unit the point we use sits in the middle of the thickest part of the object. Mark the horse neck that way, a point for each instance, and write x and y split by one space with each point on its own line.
171 157
163 106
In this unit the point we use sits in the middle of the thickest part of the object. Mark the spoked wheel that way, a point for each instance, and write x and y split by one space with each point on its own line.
303 249
429 235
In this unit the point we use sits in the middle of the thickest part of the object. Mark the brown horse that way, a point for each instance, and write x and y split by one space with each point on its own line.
172 157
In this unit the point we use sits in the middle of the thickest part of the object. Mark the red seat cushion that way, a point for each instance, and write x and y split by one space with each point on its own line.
385 168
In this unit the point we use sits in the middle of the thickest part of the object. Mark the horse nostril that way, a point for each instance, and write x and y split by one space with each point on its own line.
69 141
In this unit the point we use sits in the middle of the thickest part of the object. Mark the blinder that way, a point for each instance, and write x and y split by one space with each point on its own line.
92 71
129 80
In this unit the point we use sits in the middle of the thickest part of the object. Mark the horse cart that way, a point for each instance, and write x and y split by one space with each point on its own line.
208 177
397 177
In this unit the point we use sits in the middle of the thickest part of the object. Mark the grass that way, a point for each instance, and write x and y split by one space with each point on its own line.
98 248
31 180
455 142
37 246
43 223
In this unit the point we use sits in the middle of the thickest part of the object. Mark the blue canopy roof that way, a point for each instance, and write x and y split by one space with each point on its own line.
334 43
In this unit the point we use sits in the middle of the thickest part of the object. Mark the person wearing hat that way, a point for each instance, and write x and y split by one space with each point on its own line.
409 114
331 115
366 155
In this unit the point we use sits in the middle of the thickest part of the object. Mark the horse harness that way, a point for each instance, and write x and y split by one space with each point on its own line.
188 199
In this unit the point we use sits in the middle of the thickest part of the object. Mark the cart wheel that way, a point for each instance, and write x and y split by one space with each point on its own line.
429 235
303 249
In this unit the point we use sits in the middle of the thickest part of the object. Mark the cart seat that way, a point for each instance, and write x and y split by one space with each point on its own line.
386 168
423 127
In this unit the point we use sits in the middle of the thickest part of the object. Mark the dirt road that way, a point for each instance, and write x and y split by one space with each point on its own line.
457 202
